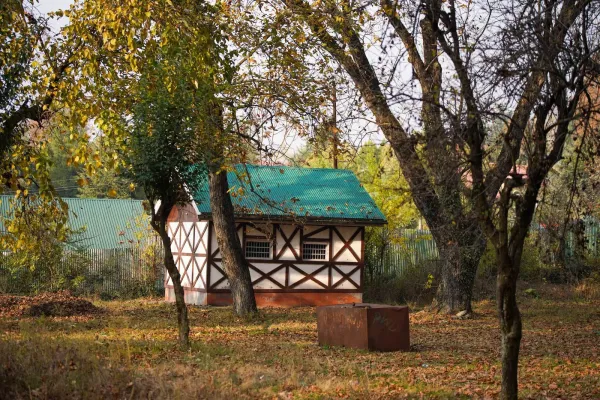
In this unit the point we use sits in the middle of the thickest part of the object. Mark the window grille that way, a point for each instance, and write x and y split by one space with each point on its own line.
255 249
314 251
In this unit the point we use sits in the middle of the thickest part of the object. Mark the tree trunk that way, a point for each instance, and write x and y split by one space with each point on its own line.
234 262
182 312
510 326
460 251
455 290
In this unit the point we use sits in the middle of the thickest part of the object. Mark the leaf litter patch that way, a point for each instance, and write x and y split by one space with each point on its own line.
58 304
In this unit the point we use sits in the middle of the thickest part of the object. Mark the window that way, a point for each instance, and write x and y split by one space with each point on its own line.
256 249
313 251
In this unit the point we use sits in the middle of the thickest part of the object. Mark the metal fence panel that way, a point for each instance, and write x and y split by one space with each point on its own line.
391 253
121 272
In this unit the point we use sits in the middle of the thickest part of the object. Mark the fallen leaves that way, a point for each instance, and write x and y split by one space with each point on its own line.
277 356
58 304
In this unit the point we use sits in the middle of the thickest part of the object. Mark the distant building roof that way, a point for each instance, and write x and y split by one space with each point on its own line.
282 192
109 223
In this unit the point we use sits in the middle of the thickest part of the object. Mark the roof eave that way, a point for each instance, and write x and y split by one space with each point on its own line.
303 220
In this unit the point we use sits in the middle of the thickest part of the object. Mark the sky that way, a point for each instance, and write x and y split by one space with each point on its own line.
45 6
52 5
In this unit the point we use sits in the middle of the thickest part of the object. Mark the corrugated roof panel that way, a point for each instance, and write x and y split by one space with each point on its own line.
311 193
108 223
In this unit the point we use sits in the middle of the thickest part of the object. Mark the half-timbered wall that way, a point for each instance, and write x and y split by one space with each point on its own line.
286 270
189 245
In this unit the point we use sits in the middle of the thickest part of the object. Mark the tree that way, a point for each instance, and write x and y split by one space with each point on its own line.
151 83
553 81
570 200
62 176
249 98
234 261
119 40
163 158
378 170
527 63
431 167
429 157
539 117
33 65
107 182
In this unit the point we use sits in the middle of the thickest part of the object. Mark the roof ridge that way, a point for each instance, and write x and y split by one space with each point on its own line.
84 198
297 167
100 199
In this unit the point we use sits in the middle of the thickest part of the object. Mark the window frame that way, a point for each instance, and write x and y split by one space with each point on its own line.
254 240
319 243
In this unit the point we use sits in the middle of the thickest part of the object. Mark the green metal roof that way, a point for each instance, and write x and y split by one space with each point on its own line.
107 223
294 192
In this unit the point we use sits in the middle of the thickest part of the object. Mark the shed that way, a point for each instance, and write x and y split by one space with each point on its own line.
301 229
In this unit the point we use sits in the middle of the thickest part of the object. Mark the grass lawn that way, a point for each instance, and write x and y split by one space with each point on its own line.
129 351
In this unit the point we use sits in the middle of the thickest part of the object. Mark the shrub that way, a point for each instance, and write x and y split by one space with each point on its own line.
589 288
122 274
61 271
416 284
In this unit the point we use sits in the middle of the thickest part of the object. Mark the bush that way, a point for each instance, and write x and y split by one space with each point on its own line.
123 274
111 274
535 265
416 284
64 271
487 264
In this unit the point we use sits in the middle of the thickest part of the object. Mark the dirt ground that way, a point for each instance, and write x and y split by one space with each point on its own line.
129 351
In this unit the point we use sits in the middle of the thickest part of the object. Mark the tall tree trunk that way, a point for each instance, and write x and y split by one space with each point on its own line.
182 313
510 324
234 262
460 249
457 278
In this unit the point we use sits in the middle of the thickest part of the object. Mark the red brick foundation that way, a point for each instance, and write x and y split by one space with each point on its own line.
289 299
